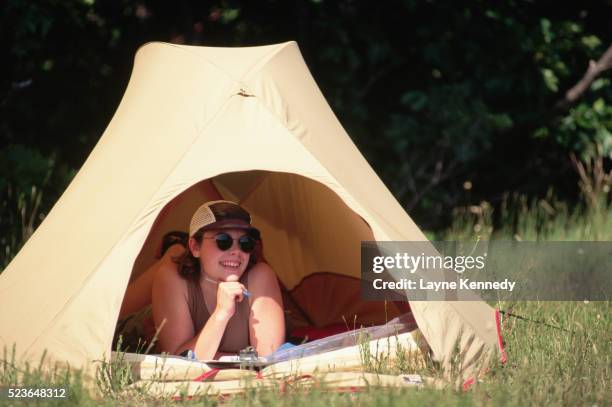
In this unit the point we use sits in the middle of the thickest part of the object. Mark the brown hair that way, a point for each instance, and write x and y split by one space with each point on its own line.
189 266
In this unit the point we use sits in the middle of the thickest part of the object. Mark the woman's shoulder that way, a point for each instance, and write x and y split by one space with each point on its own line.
262 268
261 274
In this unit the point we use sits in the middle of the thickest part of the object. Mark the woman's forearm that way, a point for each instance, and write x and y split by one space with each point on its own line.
206 343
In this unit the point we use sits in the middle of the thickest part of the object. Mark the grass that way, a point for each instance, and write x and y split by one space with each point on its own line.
546 366
561 357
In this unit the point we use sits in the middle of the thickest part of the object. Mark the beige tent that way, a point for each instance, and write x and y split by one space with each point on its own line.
199 123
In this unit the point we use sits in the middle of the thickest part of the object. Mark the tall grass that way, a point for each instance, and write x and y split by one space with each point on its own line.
16 374
546 366
563 355
532 220
19 214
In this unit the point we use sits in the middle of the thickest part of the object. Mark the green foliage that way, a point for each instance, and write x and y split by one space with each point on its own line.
438 93
29 184
435 94
587 126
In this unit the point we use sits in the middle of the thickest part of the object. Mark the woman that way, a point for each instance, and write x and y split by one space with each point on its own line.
214 297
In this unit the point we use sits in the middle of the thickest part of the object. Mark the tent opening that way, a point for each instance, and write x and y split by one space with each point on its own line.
310 237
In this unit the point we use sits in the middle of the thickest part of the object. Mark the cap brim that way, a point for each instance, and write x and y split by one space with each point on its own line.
233 224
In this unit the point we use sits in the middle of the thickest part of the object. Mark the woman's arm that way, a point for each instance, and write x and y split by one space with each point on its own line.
177 334
206 344
267 320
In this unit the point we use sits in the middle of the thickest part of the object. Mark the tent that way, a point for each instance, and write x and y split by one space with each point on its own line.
200 123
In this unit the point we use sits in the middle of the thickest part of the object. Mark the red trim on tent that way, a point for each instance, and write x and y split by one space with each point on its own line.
206 375
471 380
468 383
282 388
500 341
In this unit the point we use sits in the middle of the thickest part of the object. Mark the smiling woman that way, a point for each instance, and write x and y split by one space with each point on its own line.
213 297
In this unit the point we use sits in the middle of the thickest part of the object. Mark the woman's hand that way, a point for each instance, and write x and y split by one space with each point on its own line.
228 293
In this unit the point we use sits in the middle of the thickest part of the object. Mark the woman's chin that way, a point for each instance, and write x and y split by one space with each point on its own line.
230 274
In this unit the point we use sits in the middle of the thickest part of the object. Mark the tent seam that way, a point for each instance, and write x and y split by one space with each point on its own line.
265 59
182 49
129 229
328 172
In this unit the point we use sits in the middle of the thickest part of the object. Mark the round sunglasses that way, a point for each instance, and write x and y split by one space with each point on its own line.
225 242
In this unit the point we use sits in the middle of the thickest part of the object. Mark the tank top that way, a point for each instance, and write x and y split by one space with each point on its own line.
236 335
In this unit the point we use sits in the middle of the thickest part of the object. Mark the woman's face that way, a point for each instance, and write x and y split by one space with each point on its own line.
228 265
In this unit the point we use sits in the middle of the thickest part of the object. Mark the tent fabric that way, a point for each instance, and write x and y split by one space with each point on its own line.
248 124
